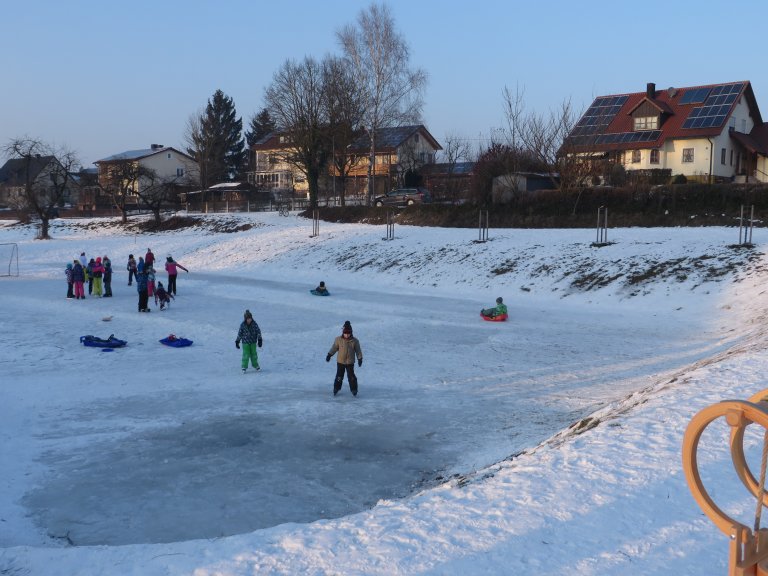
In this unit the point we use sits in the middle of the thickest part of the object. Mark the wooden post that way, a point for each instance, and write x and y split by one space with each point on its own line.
482 226
390 225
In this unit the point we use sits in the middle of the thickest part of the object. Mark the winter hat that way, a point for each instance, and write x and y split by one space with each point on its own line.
322 284
499 300
169 258
347 328
247 315
98 259
69 265
130 255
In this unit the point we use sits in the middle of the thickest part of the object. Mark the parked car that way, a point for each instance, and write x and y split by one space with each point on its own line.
403 197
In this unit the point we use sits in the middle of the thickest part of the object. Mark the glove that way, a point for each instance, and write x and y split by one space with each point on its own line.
328 358
359 362
259 343
237 344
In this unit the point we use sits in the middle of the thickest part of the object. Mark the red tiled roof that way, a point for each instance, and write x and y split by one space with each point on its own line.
673 116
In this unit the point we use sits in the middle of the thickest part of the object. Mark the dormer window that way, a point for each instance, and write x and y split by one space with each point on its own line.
647 123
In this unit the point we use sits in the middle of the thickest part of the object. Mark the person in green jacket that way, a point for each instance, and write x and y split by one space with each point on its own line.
250 335
498 310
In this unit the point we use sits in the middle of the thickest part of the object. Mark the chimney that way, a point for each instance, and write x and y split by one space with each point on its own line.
157 146
650 90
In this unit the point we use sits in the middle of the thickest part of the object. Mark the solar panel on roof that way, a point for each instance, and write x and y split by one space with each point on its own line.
695 95
628 137
716 107
599 115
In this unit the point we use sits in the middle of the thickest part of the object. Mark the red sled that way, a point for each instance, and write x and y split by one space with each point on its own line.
499 318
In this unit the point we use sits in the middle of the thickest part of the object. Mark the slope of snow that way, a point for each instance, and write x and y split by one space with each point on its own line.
547 444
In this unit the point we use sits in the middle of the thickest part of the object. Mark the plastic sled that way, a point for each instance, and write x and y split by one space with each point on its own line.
175 341
499 318
97 342
316 293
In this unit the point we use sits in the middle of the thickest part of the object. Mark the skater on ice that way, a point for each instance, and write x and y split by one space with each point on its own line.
70 281
250 335
171 267
141 287
162 296
131 267
348 347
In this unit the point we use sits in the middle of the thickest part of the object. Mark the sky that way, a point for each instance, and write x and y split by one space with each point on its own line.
464 451
102 80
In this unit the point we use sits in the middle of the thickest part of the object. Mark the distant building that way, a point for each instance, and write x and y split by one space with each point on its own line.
399 150
709 132
16 172
168 164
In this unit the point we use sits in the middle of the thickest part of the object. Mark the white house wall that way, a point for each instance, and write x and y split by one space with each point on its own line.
166 164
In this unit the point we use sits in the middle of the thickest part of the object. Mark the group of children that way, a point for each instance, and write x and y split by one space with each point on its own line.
99 270
96 272
143 272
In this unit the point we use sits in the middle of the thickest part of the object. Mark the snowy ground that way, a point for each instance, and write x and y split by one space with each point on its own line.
469 449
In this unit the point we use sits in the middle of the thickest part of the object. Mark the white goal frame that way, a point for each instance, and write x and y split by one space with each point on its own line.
11 268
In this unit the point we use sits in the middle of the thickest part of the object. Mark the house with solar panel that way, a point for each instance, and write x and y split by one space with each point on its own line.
709 133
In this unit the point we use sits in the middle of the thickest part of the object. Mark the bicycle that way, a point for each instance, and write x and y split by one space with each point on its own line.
283 210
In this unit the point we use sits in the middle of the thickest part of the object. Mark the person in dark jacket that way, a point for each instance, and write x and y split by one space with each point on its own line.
70 282
250 335
89 275
78 277
348 347
141 287
107 263
131 267
162 296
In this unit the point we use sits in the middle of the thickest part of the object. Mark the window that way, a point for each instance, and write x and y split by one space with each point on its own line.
654 156
647 123
635 156
722 156
687 154
179 172
422 157
744 125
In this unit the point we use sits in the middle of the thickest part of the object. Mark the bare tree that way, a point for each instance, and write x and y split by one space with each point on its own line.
122 180
391 91
344 112
44 176
457 149
295 100
543 137
155 192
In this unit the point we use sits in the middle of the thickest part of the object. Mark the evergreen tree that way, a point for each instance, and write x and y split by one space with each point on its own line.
219 144
261 125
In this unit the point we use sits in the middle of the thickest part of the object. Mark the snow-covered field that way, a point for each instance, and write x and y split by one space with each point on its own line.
471 448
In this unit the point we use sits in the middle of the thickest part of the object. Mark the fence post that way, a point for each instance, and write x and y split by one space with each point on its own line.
390 225
482 226
315 223
745 230
602 225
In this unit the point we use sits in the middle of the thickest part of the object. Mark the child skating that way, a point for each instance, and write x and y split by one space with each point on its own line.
348 347
250 335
